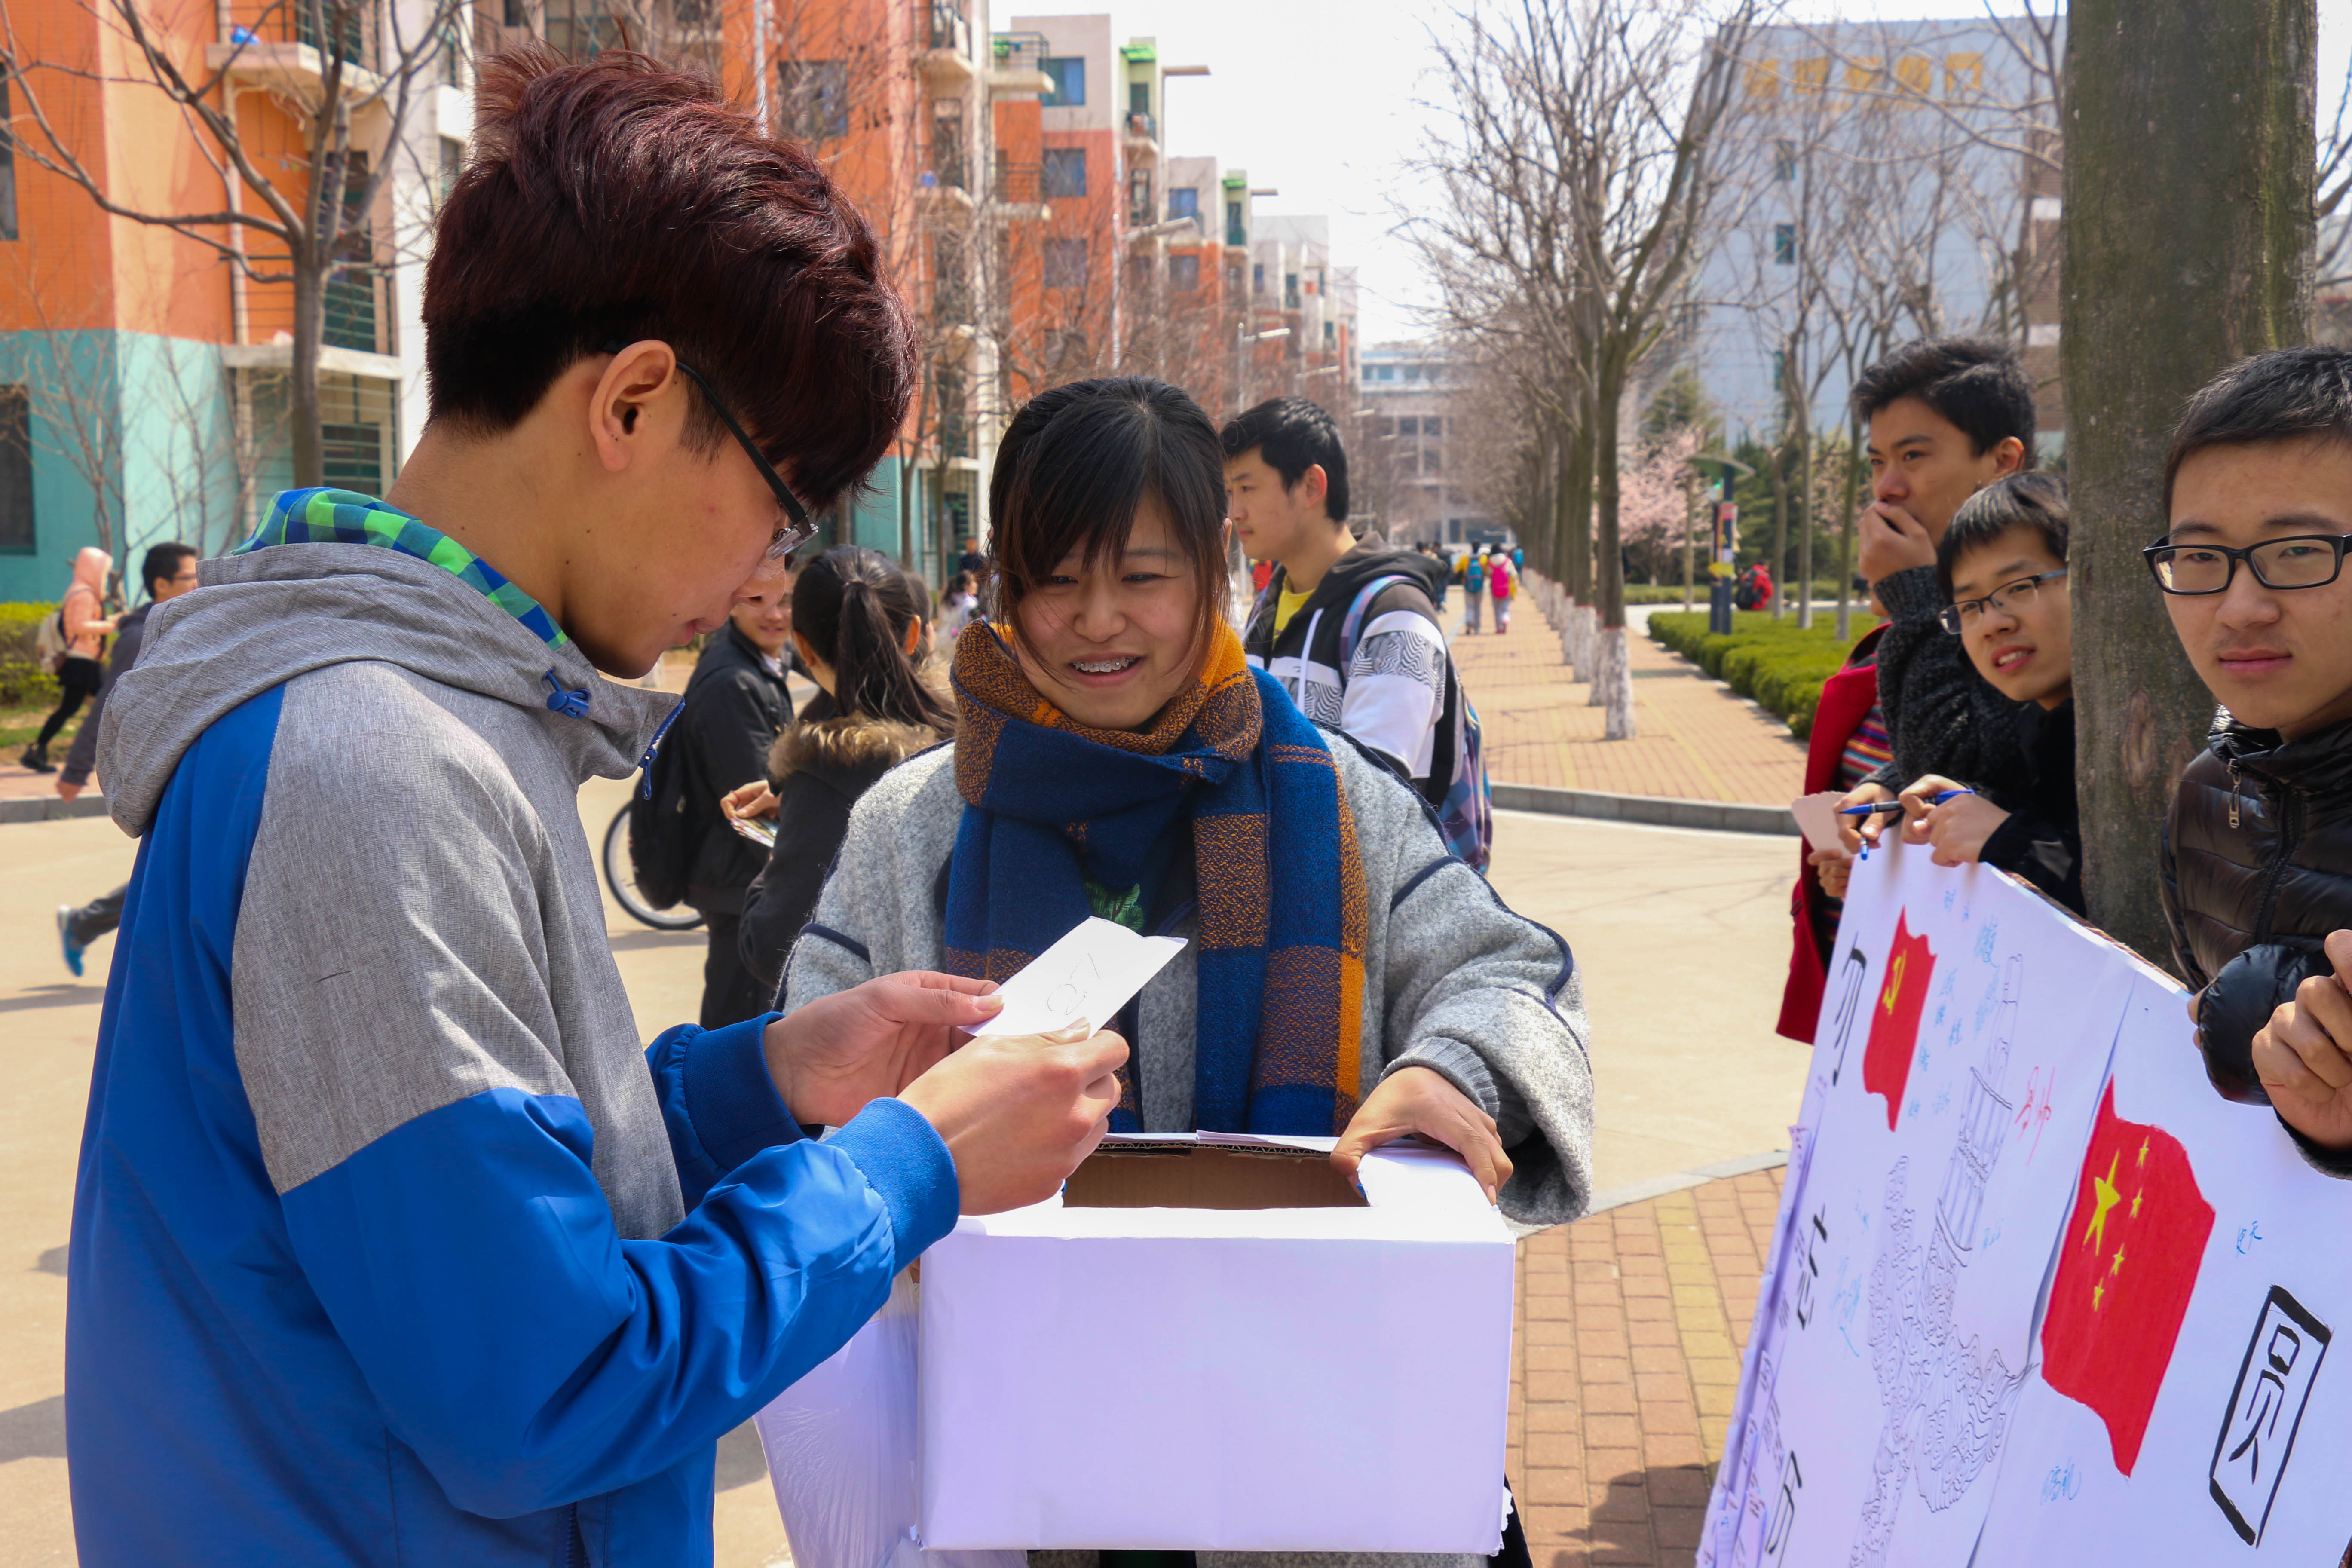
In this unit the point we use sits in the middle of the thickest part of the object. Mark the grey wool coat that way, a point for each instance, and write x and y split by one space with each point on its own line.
1454 980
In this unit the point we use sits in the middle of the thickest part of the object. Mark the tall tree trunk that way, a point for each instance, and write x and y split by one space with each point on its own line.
1612 684
2187 234
1805 522
1580 512
302 415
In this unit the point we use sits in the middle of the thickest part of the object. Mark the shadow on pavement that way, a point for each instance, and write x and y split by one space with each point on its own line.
53 1261
34 1431
741 1460
60 995
629 942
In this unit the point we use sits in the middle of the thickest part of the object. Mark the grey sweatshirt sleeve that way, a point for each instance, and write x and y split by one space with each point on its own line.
1941 715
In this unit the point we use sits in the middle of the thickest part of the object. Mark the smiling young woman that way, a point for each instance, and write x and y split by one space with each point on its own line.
1116 756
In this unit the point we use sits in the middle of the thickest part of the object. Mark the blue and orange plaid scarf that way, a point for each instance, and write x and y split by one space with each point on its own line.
1050 804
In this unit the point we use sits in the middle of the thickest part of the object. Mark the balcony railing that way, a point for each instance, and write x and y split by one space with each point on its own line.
950 27
1019 51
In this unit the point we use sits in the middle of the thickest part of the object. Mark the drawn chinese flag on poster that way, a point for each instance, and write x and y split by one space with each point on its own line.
1895 1020
2127 1265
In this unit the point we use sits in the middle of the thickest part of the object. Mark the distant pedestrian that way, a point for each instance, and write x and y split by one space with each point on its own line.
168 571
957 605
1474 589
971 562
1501 582
859 630
1518 559
79 633
736 706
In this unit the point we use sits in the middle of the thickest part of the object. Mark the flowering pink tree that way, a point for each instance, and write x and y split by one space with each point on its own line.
1653 503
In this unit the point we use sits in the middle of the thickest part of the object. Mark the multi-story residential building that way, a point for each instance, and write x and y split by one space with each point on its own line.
1295 287
143 375
1402 444
1884 180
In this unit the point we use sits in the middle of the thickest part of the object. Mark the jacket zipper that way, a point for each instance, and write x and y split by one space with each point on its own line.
2234 794
2274 874
575 1550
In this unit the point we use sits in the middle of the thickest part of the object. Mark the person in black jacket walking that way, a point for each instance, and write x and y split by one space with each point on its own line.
2258 844
736 705
168 571
859 625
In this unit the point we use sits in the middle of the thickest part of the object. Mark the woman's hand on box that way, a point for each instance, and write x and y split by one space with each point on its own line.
1418 1099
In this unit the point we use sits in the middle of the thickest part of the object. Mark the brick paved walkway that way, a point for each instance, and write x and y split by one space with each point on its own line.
1694 739
1631 1327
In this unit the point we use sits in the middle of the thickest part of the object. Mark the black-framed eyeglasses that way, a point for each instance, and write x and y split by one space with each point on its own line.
2298 561
792 534
1959 616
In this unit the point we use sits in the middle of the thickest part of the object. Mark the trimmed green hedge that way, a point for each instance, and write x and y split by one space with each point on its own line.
1772 661
22 682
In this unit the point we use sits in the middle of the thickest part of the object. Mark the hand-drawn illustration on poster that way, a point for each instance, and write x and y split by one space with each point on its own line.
2188 1407
1955 1098
2265 1410
1894 1021
2127 1267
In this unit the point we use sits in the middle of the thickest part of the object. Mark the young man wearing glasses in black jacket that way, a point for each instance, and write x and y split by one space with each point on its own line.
2258 844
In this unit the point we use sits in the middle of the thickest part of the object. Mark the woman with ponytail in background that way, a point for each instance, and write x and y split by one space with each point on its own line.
862 630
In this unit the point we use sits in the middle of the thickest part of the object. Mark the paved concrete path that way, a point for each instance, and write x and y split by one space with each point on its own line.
1682 937
1695 738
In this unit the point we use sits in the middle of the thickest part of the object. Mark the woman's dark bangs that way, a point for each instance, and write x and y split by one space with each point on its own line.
1078 488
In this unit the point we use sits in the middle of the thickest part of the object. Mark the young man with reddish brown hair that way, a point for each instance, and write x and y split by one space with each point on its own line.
391 1245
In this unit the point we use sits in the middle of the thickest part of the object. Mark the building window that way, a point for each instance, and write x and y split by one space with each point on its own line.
1065 171
1784 161
1184 201
1780 369
813 99
354 457
1257 276
1184 272
579 31
1784 244
516 15
1432 425
1065 264
1407 426
1236 228
15 473
1429 459
1138 98
1070 75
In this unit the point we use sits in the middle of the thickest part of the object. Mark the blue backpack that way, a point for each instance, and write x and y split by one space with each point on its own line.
1464 805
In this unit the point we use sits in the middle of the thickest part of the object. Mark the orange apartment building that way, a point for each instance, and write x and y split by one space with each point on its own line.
1017 179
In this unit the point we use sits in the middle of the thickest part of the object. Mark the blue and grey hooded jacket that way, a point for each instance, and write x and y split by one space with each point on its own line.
390 1244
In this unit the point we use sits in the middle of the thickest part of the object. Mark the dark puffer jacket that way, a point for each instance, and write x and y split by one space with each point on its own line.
2257 871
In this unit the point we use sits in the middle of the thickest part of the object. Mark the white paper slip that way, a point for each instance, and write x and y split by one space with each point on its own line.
1088 976
1816 816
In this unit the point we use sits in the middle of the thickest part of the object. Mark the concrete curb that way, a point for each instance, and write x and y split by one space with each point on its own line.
1659 1186
49 808
1658 811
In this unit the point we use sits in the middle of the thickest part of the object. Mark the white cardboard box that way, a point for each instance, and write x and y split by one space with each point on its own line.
1241 1377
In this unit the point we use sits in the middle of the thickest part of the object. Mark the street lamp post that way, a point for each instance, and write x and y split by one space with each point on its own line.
1242 339
1725 539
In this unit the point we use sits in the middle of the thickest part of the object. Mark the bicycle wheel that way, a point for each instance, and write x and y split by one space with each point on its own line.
622 877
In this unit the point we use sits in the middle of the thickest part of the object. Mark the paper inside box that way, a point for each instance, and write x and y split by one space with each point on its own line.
1144 1175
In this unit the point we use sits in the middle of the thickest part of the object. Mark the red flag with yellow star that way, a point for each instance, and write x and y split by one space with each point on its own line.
1894 1017
2127 1266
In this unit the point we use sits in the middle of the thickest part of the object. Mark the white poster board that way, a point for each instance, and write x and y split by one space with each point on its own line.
2037 1294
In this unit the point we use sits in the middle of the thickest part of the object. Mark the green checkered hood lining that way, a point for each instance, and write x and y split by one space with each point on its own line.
346 517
